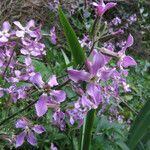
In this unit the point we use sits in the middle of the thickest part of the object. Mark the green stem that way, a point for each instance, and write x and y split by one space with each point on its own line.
87 130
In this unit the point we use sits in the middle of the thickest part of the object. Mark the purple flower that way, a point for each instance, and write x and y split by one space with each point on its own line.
126 61
116 21
32 47
53 36
92 73
53 147
101 7
28 132
25 30
4 33
50 98
59 120
91 99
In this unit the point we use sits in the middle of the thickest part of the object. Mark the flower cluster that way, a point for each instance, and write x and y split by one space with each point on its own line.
95 84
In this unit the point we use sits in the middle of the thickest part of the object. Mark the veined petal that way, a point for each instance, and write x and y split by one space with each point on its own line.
128 61
19 25
21 123
109 6
30 24
59 95
98 62
76 75
94 91
41 105
6 26
130 41
3 39
31 138
20 33
37 79
20 139
106 74
52 81
39 129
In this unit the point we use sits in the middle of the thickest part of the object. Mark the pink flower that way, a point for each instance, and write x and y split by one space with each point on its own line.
101 7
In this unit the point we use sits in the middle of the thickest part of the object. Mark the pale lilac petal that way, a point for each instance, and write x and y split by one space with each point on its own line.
3 39
6 26
76 75
30 24
28 61
37 79
52 81
20 139
86 102
95 93
109 6
106 74
53 147
95 4
31 138
21 123
19 25
24 51
41 105
88 65
130 41
20 33
39 129
128 61
59 95
98 62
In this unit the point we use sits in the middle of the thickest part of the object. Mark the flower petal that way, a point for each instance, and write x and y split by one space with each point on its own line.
3 39
19 25
20 139
130 41
6 26
37 79
41 105
39 129
52 81
128 61
76 75
21 123
30 24
94 91
109 6
59 95
31 138
20 33
98 62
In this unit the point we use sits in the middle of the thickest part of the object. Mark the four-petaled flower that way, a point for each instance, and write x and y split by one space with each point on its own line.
25 30
28 132
95 70
49 98
4 33
101 7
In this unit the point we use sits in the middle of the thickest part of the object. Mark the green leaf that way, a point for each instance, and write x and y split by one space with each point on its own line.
67 61
76 50
87 130
139 127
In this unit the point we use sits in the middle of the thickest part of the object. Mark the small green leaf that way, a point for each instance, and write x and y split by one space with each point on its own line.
76 50
139 127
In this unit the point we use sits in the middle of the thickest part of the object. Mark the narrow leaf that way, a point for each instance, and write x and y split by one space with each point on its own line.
76 50
139 127
87 130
